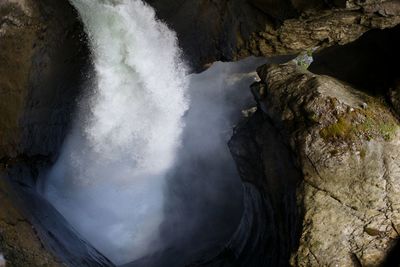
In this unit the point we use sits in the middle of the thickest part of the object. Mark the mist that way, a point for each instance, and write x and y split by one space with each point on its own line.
203 191
145 170
108 181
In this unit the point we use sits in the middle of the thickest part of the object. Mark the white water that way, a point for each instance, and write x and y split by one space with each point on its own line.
109 179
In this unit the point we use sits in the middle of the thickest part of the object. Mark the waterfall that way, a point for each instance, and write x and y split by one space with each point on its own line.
108 180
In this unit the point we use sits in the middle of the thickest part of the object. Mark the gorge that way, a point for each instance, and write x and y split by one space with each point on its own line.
117 148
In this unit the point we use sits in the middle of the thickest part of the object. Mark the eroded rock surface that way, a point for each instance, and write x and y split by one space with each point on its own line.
347 146
229 30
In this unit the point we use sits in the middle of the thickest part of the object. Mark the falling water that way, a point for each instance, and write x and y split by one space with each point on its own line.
108 181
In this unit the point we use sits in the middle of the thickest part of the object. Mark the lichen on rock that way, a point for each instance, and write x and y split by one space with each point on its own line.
348 153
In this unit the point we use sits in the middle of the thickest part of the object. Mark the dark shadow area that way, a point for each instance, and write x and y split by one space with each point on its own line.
57 235
265 160
204 193
369 63
209 31
213 216
393 257
271 222
60 67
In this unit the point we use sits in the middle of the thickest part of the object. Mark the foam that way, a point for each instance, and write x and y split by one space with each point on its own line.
108 181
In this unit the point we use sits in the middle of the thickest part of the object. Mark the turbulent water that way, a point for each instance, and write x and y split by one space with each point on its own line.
109 178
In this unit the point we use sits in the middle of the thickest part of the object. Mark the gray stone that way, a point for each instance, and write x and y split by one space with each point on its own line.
230 30
349 159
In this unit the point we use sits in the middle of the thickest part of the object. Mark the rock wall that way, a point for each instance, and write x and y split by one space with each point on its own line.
318 157
230 30
44 62
44 58
346 145
270 225
19 30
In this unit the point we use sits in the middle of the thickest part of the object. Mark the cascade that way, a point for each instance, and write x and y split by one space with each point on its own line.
109 177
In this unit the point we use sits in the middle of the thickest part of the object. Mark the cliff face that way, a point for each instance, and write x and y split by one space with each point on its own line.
43 56
318 158
230 30
345 144
19 31
44 59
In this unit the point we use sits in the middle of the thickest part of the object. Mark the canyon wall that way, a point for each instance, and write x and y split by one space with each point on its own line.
230 30
319 157
44 56
44 60
345 143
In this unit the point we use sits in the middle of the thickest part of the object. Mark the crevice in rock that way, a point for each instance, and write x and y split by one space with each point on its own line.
369 63
354 211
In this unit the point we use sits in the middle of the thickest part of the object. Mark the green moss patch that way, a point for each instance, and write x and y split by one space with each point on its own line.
372 122
341 129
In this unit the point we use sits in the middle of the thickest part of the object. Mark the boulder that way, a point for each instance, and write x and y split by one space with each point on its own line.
346 145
